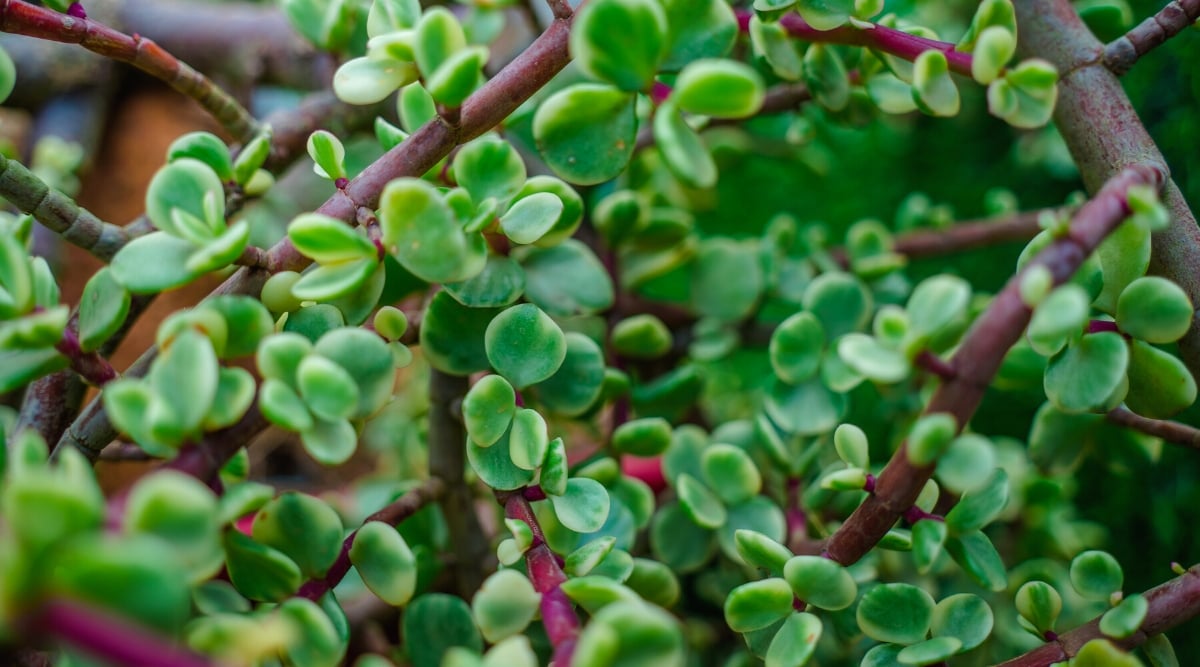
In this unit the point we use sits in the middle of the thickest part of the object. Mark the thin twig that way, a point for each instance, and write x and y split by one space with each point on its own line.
1169 604
1173 432
397 511
780 98
1121 53
89 365
23 18
979 357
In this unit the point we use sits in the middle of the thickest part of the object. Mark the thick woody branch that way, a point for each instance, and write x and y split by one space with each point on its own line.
1121 53
977 360
1170 604
19 17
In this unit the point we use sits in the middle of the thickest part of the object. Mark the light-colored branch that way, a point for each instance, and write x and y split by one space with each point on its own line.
977 360
1121 53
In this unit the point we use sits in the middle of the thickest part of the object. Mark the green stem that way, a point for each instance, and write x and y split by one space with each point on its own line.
23 18
977 360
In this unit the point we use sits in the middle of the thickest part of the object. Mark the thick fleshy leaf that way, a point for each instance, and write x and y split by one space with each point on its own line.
504 605
677 541
727 279
825 14
967 463
423 234
524 345
531 218
1155 310
649 436
1096 575
495 467
489 167
758 604
1160 385
572 213
805 409
181 511
1039 604
435 622
933 89
184 378
1026 96
840 301
976 509
796 347
488 409
328 390
977 556
385 562
186 184
587 132
930 651
578 382
452 335
330 442
731 472
1090 374
873 360
682 149
701 504
583 507
1058 318
317 641
821 582
965 617
304 528
328 240
719 88
641 336
896 613
528 441
795 641
994 48
566 279
826 76
455 79
630 633
154 263
258 571
1126 618
621 42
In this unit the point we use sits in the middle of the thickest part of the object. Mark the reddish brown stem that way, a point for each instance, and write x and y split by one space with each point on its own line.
89 365
396 512
99 634
558 615
1121 53
978 359
22 18
932 363
1170 431
1170 604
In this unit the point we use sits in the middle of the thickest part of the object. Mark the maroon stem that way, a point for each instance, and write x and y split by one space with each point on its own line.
889 40
1170 604
1102 326
978 359
22 18
89 365
558 615
393 514
1121 53
932 363
101 635
1170 431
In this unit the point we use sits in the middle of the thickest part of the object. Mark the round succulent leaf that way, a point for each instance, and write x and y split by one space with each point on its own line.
330 442
840 302
531 217
1124 257
882 655
1039 604
581 561
697 29
8 75
1026 95
1155 310
102 309
153 263
796 347
1058 318
851 445
682 149
620 42
821 582
641 336
584 506
993 49
758 550
826 77
967 463
648 436
422 232
932 88
488 409
390 322
455 79
566 279
435 622
528 440
387 16
758 514
586 133
204 147
937 303
315 638
553 476
524 345
572 212
500 283
930 651
185 184
235 393
489 167
1160 384
636 496
930 436
654 581
965 617
331 281
439 36
978 508
1123 620
327 388
758 604
617 565
810 408
385 562
870 358
452 335
304 528
632 634
795 641
928 538
701 504
825 14
895 613
183 513
977 556
677 541
495 467
258 571
504 605
727 279
184 378
247 323
366 359
221 251
719 88
731 472
282 406
1090 374
1104 652
594 592
328 240
1096 575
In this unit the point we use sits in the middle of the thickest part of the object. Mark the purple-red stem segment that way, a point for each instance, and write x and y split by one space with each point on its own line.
558 615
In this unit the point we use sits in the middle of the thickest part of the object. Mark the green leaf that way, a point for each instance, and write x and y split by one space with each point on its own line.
930 436
796 347
387 16
852 445
704 507
328 240
328 390
452 335
8 75
584 559
806 409
719 88
654 581
504 605
439 36
587 132
642 336
304 528
758 550
415 107
1026 96
840 302
423 234
570 217
1124 257
531 218
1089 375
795 641
649 436
730 471
784 54
185 378
594 592
933 90
455 79
435 622
1155 310
825 14
820 582
16 277
758 604
896 613
186 185
976 555
727 280
870 358
258 571
677 541
182 512
528 441
489 167
204 147
578 382
495 467
964 616
328 155
235 393
317 642
584 506
977 509
682 149
930 651
566 279
697 29
967 464
330 442
1058 318
282 406
621 42
988 13
631 634
332 281
152 263
385 562
1105 653
326 23
1096 575
524 345
1039 604
826 76
994 48
488 409
1160 385
553 476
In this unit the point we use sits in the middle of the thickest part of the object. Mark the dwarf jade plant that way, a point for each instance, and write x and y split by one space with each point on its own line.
625 336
